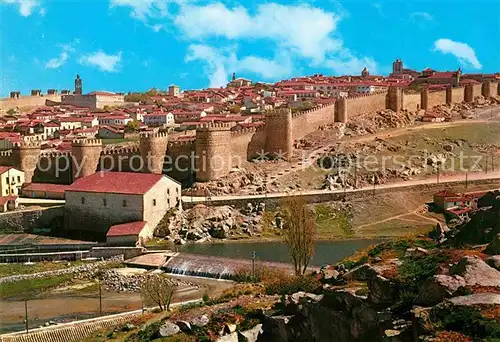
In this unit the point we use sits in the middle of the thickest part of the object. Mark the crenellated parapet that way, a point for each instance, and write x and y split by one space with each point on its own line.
25 156
153 148
213 151
245 130
124 151
279 133
86 154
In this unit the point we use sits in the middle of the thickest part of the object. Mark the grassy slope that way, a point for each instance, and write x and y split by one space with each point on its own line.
12 269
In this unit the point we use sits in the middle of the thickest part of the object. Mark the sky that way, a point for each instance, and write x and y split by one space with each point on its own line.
134 45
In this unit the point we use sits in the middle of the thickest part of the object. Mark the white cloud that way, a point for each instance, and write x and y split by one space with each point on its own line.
463 52
296 33
57 62
143 9
102 61
221 63
418 16
66 50
303 29
26 7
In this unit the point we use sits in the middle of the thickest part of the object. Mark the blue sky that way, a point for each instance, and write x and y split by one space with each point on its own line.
133 45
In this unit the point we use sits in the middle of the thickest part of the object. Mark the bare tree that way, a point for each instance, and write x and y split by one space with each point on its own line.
158 289
299 234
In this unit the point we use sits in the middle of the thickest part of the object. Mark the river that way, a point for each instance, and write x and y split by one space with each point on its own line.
325 252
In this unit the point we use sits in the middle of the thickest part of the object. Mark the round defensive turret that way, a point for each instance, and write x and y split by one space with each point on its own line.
86 154
213 151
153 147
279 139
26 155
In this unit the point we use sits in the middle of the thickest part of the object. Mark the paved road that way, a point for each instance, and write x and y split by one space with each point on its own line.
433 180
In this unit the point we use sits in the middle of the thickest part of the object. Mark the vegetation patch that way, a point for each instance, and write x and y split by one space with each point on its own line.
16 268
29 288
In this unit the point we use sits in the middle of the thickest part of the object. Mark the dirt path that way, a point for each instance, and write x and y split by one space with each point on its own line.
415 212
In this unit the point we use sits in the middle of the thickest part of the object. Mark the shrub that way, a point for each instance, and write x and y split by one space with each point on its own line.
283 283
470 322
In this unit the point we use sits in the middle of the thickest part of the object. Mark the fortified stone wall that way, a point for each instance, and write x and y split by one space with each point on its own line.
179 160
311 120
246 144
457 95
495 89
55 167
436 98
27 101
120 159
363 104
411 102
477 90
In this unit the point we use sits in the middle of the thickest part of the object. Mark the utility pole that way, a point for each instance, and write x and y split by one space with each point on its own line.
26 314
438 169
100 297
373 179
253 266
466 181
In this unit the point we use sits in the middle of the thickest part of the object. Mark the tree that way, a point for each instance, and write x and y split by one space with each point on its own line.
158 289
234 109
131 126
299 234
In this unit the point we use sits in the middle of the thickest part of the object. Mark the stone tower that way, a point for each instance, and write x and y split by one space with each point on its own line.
86 154
397 67
469 93
449 95
78 85
365 72
486 89
424 99
341 110
279 137
234 77
395 99
213 151
26 155
153 147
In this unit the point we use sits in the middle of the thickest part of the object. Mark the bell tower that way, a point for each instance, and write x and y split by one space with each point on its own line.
78 85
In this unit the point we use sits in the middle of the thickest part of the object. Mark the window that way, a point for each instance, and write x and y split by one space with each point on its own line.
83 200
6 191
154 202
168 202
19 179
12 191
7 179
104 202
168 191
177 190
124 203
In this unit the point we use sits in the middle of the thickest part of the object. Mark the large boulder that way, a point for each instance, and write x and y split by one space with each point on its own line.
382 291
361 273
169 329
493 247
476 272
250 335
200 321
477 299
494 261
438 288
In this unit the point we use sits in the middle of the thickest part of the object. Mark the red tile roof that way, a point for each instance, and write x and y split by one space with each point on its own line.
5 199
130 183
131 228
46 187
5 169
445 193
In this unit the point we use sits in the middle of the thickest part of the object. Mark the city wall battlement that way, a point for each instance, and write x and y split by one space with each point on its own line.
218 149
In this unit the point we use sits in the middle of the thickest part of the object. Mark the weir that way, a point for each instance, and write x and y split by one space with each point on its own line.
201 265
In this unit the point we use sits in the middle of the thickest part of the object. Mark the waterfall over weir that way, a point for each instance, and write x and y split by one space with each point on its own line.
213 267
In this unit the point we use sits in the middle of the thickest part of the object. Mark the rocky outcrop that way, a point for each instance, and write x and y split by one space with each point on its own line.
494 246
476 272
438 288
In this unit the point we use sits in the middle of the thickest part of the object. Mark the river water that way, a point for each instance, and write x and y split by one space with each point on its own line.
325 252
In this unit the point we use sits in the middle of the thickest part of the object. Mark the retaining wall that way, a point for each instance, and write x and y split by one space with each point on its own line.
26 220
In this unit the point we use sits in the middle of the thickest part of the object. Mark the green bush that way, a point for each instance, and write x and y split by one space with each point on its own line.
287 284
469 322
